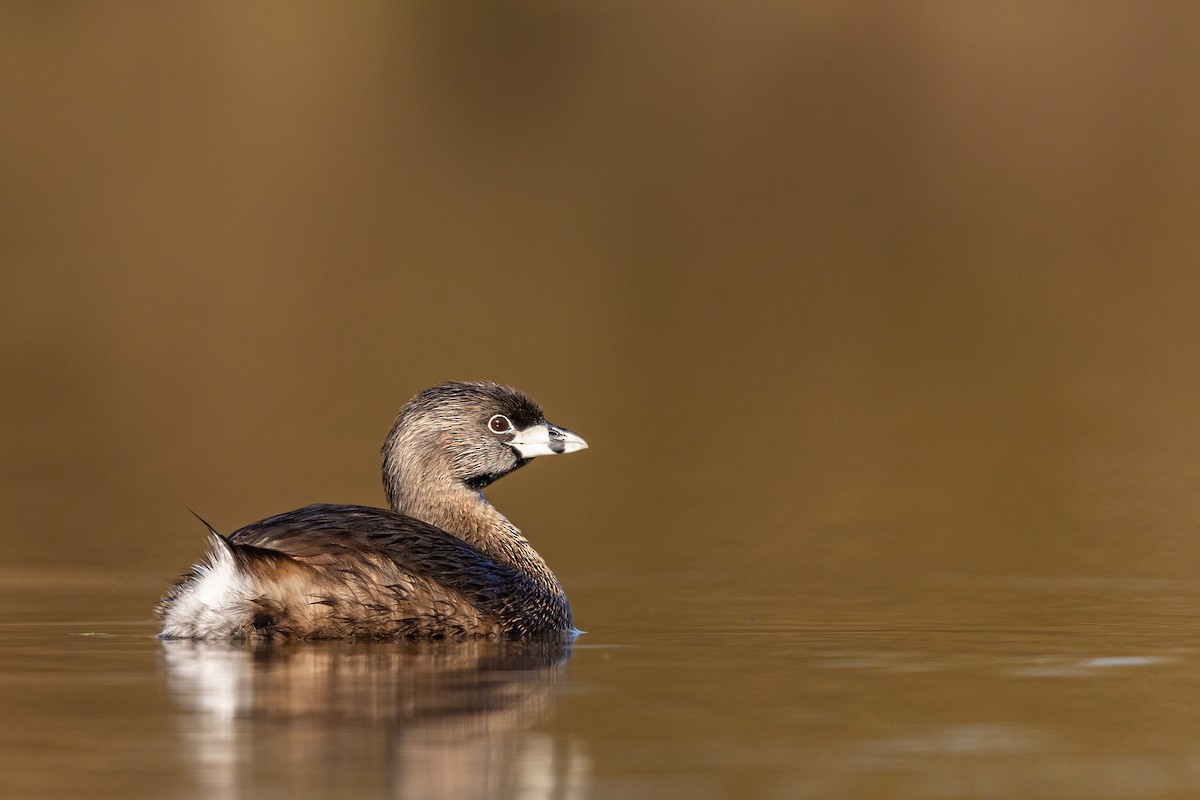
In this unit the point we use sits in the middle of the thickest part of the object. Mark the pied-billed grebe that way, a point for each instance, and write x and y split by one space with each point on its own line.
442 562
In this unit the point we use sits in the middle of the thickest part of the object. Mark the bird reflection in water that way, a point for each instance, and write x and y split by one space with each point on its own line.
410 719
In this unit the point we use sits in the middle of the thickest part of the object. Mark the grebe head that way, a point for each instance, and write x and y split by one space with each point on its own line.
469 433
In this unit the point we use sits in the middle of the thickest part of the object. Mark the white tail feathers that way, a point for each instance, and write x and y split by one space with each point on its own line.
214 601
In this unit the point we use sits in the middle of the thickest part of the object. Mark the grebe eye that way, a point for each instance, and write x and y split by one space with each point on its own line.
500 424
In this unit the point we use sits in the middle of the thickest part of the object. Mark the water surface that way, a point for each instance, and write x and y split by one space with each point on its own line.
1010 688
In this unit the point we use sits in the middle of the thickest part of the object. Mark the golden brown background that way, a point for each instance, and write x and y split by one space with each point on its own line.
927 269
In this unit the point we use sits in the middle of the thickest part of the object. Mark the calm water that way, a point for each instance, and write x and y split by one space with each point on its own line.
881 320
1008 689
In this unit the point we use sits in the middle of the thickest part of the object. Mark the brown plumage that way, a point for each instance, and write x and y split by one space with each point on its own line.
442 562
